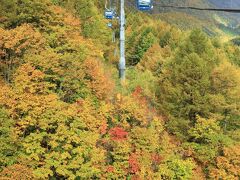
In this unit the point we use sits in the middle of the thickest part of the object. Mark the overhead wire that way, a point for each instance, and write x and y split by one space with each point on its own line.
230 10
106 3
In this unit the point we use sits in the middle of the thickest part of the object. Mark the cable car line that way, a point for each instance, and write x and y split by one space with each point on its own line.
145 6
199 8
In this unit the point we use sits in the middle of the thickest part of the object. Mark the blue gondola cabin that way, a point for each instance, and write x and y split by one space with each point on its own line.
144 5
109 14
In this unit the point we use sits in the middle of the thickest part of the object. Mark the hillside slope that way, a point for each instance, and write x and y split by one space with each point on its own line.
213 22
65 115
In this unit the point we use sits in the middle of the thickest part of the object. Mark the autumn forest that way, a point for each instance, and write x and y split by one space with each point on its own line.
65 115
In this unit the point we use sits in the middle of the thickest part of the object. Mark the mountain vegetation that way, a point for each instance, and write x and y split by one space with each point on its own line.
65 115
213 23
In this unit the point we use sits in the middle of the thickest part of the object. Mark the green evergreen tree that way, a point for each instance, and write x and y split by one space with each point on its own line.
145 42
184 87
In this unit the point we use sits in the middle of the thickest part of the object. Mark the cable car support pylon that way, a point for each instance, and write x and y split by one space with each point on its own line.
122 61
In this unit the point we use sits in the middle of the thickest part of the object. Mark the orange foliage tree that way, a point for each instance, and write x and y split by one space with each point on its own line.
17 172
227 165
13 44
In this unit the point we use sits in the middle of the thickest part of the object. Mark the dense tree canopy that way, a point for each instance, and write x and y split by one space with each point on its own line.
64 114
